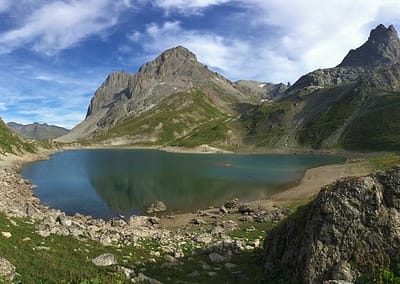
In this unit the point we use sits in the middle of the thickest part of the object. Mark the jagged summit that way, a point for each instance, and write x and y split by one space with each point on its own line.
381 49
168 61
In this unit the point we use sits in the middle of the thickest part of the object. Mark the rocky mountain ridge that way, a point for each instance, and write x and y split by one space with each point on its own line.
340 107
38 131
176 70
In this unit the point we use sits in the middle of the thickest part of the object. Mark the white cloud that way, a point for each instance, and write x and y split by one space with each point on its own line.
59 25
300 36
233 57
187 7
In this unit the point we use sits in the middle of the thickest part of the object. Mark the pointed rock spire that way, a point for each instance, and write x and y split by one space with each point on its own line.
382 48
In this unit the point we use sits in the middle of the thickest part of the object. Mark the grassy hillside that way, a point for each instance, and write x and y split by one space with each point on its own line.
348 116
326 122
11 143
378 125
266 124
185 119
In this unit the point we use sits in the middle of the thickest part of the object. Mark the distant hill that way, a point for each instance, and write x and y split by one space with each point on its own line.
37 131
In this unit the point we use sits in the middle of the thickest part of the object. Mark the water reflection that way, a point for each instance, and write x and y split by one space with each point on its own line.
103 183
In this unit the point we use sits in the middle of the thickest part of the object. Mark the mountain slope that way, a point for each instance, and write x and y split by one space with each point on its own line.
11 143
352 106
176 70
37 131
176 120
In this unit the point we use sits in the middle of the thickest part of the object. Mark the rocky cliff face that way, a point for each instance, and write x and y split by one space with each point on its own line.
352 226
175 70
381 49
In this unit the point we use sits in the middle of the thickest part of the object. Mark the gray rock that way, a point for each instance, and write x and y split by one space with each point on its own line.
246 218
217 258
245 209
141 278
354 220
198 221
128 272
7 270
223 210
105 259
231 266
156 206
381 49
204 238
232 204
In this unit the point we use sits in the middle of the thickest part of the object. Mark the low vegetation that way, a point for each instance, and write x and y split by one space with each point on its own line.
186 119
58 259
378 127
12 143
326 123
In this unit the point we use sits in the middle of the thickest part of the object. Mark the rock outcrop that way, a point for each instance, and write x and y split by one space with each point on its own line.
352 226
381 49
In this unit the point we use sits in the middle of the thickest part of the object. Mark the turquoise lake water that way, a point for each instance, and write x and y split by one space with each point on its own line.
104 183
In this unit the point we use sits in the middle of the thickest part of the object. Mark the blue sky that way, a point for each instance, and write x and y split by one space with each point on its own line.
55 53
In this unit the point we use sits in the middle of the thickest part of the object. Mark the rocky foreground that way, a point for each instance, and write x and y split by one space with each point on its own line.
351 228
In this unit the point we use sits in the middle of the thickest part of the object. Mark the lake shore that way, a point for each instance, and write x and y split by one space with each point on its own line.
310 184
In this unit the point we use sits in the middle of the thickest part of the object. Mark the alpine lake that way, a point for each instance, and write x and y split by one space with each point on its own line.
105 183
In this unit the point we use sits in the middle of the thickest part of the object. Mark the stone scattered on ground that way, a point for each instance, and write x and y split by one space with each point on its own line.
156 206
223 210
7 270
141 278
232 204
105 259
231 266
7 235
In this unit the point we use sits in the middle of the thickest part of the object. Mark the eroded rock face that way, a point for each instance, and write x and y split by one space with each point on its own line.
353 225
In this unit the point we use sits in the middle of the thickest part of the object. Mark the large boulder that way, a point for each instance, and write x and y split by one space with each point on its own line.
105 259
352 226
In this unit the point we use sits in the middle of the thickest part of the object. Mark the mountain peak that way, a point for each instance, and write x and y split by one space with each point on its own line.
382 48
169 60
178 51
